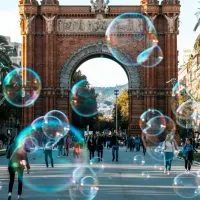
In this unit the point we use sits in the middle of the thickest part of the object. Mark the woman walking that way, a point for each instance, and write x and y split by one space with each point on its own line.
18 161
169 146
100 144
188 154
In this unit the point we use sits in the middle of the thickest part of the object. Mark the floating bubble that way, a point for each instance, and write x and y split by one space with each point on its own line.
146 117
97 164
53 128
146 175
85 184
127 32
193 87
138 160
83 99
159 127
38 133
186 185
61 116
187 114
31 144
156 153
89 187
21 87
150 57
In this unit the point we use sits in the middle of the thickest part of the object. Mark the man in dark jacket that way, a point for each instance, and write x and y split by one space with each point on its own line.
115 147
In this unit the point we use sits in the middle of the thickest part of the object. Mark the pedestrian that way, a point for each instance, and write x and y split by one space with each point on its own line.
169 146
48 152
100 145
67 144
132 143
188 154
77 150
18 161
143 144
91 145
60 145
115 147
137 143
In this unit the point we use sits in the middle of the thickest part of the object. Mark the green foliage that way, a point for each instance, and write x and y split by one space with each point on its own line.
122 110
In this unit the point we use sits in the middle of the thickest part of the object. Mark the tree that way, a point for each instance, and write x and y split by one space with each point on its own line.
122 107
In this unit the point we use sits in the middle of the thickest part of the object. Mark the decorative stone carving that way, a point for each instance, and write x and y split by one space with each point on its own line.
152 18
171 23
99 6
28 24
99 25
87 51
49 23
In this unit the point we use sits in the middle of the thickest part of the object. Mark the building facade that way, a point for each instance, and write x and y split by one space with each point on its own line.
56 42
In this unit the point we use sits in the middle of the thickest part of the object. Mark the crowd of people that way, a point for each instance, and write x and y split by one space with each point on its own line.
18 155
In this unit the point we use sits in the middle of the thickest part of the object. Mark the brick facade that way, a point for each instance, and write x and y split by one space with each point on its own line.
45 50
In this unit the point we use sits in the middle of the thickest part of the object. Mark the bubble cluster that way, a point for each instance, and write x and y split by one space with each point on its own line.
21 87
83 99
29 135
186 185
130 31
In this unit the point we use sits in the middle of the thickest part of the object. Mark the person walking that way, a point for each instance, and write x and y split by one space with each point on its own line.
169 146
115 147
132 143
100 145
144 145
91 145
48 153
60 145
18 161
67 144
137 143
188 154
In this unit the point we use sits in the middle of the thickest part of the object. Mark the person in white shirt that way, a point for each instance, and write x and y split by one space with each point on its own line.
169 146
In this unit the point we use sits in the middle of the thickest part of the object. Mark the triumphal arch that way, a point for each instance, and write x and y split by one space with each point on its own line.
57 39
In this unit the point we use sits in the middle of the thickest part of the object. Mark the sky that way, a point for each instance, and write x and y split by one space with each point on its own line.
9 23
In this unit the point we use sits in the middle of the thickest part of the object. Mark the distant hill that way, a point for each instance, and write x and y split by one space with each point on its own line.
106 94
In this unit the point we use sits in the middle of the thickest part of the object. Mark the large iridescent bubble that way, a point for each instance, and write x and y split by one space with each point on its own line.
61 116
85 184
83 99
48 183
21 87
145 121
53 128
186 185
131 31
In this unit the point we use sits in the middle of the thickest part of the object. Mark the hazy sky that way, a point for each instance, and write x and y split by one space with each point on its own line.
9 23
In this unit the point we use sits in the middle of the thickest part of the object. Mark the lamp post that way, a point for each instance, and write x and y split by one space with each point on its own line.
116 93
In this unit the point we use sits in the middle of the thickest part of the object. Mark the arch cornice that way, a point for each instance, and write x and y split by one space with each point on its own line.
97 49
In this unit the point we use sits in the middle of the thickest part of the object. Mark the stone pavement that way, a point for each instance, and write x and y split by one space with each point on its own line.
119 181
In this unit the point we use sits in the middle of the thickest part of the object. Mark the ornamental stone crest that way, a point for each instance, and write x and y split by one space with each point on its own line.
99 6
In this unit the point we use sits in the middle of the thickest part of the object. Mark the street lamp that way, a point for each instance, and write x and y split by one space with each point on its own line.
116 93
